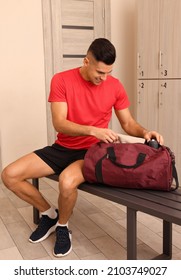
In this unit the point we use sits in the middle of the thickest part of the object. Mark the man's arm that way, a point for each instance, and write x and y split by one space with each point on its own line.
133 128
61 124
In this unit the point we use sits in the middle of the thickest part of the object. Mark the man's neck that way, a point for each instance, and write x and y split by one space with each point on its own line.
83 73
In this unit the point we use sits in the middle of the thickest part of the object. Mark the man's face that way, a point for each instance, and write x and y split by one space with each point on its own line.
96 71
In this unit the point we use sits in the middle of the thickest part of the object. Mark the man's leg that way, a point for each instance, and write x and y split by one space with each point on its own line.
15 178
69 180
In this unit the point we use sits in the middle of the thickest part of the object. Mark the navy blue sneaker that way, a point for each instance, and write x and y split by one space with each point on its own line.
45 228
63 244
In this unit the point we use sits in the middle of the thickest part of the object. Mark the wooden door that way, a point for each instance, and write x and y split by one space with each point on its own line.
147 38
170 38
147 103
169 117
170 112
69 28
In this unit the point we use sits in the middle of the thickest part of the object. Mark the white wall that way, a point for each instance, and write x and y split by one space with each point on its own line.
123 13
22 86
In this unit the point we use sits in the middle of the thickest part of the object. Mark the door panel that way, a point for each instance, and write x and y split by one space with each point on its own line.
169 117
69 62
76 41
170 112
147 38
147 104
80 13
170 38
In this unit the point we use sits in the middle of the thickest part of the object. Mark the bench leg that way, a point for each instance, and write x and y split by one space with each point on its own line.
36 216
167 239
132 238
167 242
131 234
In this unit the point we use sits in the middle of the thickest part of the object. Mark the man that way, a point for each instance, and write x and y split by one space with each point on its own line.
81 103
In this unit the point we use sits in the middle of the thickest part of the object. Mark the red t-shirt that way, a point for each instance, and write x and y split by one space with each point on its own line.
87 104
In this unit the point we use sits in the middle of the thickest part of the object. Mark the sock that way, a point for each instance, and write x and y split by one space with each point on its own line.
51 213
62 225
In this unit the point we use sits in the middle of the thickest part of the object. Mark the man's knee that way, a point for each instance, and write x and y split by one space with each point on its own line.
67 184
70 178
9 177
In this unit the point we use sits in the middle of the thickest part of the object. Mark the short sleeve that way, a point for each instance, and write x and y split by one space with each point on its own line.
57 89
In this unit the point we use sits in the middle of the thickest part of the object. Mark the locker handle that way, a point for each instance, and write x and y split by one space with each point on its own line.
138 61
160 98
160 60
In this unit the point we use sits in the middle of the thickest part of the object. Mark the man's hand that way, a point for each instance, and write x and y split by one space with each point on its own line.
148 135
104 134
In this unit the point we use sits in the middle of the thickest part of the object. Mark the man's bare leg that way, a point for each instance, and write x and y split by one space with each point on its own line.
14 177
69 180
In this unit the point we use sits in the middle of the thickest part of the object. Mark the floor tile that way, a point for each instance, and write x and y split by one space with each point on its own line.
20 233
110 227
8 212
144 252
99 256
84 206
110 248
5 238
85 225
82 246
10 254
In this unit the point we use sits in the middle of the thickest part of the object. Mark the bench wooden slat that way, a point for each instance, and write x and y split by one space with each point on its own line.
160 198
173 195
129 199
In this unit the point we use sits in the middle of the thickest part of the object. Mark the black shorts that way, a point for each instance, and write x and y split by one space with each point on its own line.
59 157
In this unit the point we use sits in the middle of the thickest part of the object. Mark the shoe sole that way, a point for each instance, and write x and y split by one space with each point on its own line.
51 230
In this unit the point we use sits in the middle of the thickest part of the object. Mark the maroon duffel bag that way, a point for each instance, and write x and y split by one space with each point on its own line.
131 165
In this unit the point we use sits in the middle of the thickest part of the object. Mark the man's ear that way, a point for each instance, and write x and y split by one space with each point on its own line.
86 61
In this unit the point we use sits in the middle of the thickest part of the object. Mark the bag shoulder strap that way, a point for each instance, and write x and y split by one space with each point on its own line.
175 176
174 170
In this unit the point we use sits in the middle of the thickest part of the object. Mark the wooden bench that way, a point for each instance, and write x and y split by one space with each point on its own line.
164 205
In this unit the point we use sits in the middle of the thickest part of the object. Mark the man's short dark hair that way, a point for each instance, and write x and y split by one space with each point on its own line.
103 50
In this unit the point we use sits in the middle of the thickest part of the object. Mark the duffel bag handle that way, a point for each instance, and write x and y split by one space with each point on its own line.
111 155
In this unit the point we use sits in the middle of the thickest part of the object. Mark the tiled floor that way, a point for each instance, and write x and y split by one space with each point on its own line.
98 228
